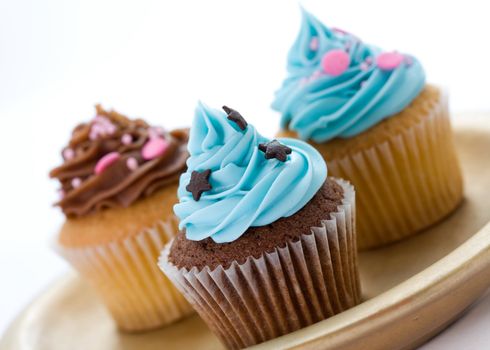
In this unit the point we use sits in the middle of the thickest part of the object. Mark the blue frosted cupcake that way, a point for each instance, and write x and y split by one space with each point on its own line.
377 124
267 242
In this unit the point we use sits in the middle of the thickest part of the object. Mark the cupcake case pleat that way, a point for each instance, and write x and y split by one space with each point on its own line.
406 183
297 285
125 275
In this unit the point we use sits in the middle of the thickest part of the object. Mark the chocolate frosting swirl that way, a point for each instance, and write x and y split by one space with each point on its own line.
114 161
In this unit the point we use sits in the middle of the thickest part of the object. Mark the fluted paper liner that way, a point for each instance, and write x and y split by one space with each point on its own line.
126 276
302 283
405 171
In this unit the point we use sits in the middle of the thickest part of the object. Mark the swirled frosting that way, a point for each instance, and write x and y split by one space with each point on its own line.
114 161
338 86
246 188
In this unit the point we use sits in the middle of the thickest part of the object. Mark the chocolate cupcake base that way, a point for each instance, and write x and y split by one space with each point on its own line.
310 278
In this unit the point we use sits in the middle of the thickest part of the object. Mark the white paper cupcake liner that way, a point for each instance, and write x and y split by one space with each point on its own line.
407 182
302 283
126 276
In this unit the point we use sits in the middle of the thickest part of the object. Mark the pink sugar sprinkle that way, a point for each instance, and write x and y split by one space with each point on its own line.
105 162
61 193
335 62
368 60
155 132
76 182
314 43
388 61
154 148
408 61
127 139
132 163
364 66
101 126
68 154
341 31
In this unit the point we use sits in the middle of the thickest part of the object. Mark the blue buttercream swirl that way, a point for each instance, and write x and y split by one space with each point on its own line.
247 189
321 107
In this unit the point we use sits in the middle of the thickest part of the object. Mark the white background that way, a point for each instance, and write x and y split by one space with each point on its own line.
154 59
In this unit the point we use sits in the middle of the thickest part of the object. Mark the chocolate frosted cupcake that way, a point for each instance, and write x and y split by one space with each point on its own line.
119 181
376 123
267 242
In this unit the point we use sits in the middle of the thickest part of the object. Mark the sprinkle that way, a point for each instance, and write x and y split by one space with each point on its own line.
368 60
235 117
364 82
199 183
388 61
275 149
364 66
106 161
132 163
61 193
101 126
76 182
127 139
68 153
348 46
155 132
335 62
154 148
341 31
408 61
314 43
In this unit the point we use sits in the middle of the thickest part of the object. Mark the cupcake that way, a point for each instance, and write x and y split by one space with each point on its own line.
119 181
267 242
377 124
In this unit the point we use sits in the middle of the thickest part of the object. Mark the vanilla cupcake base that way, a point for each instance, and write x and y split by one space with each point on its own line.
405 170
292 287
125 275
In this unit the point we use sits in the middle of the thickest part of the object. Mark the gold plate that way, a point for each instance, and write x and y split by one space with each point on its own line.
413 289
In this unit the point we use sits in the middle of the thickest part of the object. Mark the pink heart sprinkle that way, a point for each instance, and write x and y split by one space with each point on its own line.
106 161
132 163
335 62
154 148
389 60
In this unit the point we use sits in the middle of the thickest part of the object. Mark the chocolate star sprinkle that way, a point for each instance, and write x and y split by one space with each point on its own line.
275 149
199 183
235 117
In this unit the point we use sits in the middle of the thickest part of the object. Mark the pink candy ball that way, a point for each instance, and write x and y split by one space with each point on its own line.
132 164
127 139
389 60
68 154
106 161
76 182
335 62
154 148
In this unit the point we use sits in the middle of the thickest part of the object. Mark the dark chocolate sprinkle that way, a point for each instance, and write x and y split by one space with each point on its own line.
199 183
236 117
275 149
